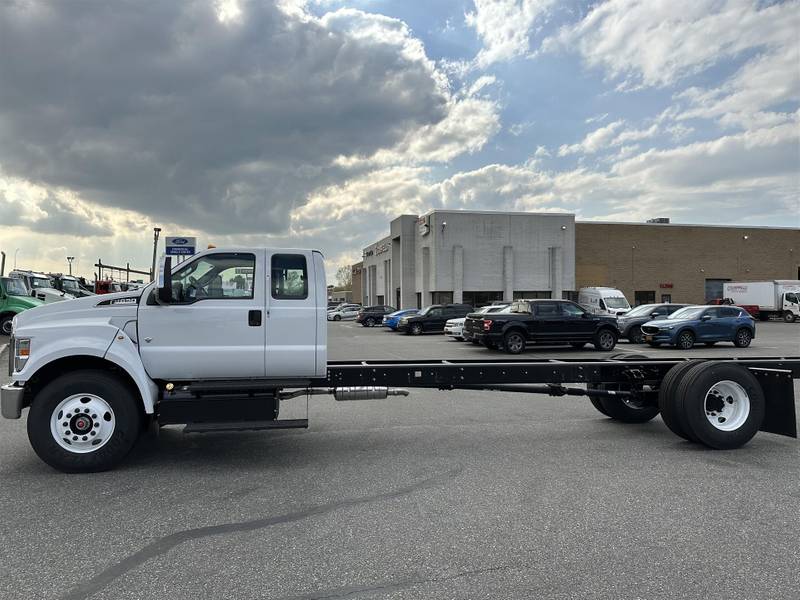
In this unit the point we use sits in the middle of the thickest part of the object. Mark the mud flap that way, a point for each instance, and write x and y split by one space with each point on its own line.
778 386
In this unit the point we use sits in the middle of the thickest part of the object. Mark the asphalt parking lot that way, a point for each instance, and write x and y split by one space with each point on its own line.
438 495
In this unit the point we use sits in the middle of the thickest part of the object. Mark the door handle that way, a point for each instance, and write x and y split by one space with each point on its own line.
254 318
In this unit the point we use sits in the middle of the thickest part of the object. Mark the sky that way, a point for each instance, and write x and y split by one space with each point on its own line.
314 123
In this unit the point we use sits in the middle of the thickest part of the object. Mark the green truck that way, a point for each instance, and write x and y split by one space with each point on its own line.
14 298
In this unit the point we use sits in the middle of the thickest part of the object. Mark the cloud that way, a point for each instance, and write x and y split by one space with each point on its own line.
594 141
659 43
504 27
222 117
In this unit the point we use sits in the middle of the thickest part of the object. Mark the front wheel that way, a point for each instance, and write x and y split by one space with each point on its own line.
788 316
743 338
337 318
5 324
514 342
369 322
605 340
84 421
415 329
685 340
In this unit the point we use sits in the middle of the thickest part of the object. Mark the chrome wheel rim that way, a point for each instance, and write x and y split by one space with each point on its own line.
82 423
686 340
7 327
606 340
744 337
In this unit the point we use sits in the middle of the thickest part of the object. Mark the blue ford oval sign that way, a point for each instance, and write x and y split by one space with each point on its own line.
180 241
180 245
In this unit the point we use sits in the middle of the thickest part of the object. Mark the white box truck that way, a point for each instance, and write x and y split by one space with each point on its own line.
779 297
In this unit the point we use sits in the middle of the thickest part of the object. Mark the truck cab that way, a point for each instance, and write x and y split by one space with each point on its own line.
14 298
603 300
41 286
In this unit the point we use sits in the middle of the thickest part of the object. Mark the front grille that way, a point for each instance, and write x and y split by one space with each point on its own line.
649 329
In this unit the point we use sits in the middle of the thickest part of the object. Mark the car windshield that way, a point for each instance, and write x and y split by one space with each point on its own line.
426 310
690 312
15 287
616 302
640 311
40 282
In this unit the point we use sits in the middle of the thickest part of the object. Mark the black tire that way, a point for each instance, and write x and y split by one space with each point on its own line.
578 345
788 316
618 409
369 322
693 398
636 336
685 340
5 324
666 397
127 415
415 329
514 342
337 318
742 338
604 340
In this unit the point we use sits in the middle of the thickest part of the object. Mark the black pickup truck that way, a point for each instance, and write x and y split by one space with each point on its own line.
547 322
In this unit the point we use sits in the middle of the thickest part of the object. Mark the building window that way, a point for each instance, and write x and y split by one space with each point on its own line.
666 298
441 297
481 298
541 294
713 289
644 297
419 299
570 295
380 300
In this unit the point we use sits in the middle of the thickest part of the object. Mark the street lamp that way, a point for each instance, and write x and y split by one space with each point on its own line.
156 231
69 260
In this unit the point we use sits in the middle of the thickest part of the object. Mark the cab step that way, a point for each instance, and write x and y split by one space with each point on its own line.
245 426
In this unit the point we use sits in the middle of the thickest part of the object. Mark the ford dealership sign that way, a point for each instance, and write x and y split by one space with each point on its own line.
180 245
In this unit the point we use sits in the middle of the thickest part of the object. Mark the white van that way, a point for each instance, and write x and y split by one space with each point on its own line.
603 300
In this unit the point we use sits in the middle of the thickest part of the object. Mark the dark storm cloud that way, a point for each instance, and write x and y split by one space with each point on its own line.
160 108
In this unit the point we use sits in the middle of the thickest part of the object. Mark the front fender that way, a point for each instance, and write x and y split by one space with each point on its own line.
87 338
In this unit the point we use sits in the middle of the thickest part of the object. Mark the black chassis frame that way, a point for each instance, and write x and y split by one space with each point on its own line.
641 375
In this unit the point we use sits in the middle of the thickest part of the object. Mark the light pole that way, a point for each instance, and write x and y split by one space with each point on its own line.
156 231
69 260
15 258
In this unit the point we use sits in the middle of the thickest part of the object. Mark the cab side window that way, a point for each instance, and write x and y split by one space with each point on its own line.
571 310
215 277
547 309
289 279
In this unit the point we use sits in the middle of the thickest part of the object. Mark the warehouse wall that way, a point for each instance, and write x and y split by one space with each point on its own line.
678 259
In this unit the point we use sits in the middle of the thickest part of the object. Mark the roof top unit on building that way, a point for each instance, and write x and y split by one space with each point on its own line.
659 220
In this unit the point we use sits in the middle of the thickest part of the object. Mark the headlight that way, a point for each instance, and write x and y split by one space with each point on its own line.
22 351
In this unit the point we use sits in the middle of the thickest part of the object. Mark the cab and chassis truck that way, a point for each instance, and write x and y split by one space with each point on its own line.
222 340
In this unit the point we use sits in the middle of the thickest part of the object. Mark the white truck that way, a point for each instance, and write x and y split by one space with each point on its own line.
42 286
779 298
603 300
224 340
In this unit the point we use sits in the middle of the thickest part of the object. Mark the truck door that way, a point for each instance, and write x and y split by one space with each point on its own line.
548 324
213 328
291 324
574 324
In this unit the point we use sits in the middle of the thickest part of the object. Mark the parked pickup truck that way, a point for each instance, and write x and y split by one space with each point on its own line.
14 298
226 340
547 322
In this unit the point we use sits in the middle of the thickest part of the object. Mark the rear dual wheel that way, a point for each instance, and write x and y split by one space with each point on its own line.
717 404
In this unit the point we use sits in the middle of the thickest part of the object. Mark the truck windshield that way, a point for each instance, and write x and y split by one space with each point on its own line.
40 282
15 287
616 302
70 285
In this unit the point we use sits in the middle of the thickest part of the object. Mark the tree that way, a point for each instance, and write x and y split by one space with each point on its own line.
344 277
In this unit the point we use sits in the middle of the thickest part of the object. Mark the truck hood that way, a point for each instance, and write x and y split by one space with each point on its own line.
24 301
122 305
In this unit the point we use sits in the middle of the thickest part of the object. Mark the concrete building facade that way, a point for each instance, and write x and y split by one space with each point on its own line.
471 257
479 256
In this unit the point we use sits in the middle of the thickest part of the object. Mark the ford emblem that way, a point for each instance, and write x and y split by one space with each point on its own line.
180 241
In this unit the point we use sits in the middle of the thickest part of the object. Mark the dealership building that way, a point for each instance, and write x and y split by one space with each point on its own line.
477 257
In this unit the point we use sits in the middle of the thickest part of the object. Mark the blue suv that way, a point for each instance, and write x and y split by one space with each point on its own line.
705 324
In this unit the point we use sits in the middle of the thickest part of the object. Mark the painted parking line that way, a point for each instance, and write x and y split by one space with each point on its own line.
3 347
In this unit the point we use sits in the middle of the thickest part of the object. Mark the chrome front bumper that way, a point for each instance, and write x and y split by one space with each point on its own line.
11 401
